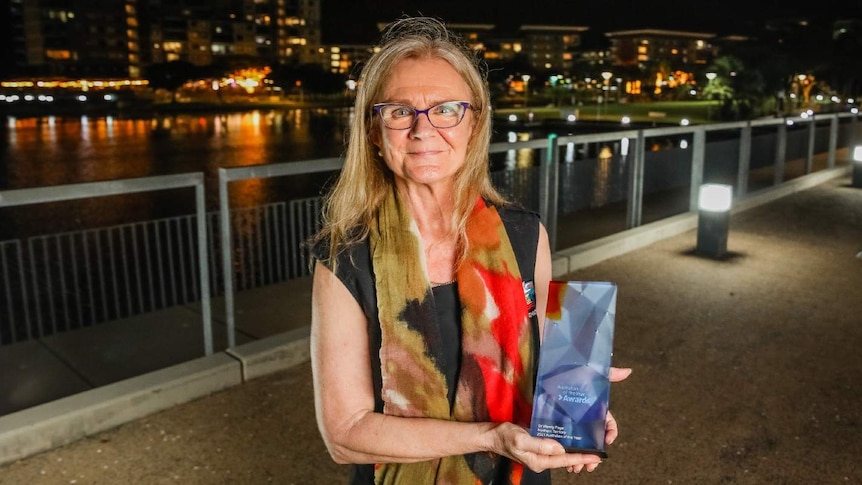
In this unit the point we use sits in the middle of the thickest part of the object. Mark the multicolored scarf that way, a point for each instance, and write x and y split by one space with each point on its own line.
495 381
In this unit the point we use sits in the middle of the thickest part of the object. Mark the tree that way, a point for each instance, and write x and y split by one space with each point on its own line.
740 88
844 69
171 75
311 77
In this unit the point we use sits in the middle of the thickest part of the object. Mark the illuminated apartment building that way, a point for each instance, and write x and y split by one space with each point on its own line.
551 48
645 47
116 38
76 38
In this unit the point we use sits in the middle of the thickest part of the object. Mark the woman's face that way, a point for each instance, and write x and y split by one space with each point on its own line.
424 154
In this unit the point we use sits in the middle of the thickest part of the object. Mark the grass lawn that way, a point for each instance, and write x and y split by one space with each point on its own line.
668 112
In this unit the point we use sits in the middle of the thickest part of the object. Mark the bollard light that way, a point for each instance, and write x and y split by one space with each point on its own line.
857 166
713 219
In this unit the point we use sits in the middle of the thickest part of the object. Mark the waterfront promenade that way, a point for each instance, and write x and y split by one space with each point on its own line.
746 369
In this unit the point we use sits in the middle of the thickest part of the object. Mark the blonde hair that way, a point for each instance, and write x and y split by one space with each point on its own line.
353 202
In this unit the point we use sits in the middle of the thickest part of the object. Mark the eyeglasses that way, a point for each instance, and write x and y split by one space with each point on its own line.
397 116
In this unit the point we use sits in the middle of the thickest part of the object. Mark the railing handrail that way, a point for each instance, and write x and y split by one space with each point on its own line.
550 145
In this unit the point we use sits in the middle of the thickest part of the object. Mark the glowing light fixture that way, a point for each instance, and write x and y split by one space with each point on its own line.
857 166
713 221
715 197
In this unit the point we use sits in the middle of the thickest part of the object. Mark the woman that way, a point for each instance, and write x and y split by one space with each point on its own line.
424 324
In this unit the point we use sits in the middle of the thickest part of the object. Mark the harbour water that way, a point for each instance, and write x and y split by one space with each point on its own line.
48 151
55 150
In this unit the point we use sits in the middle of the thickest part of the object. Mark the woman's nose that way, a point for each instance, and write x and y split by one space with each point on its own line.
422 123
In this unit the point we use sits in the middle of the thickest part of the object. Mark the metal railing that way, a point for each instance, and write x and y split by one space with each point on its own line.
145 266
127 278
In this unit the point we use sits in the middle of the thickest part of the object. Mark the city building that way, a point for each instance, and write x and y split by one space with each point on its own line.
117 38
551 48
344 58
647 61
75 38
645 47
230 31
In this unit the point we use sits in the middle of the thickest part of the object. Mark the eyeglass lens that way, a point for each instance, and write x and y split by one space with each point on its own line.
403 116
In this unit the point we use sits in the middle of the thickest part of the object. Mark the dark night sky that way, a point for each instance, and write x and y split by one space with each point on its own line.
355 20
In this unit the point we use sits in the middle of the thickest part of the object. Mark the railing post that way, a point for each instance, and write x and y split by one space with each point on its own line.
698 157
634 211
833 140
809 159
744 160
780 154
203 263
227 266
549 191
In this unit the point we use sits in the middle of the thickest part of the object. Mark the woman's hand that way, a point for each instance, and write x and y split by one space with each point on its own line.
618 374
537 454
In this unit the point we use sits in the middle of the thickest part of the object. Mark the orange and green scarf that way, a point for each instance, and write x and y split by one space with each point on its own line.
495 381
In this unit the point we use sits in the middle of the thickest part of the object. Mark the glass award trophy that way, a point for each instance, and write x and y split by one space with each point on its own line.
572 385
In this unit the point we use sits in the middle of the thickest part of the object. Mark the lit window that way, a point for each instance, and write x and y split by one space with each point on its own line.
57 54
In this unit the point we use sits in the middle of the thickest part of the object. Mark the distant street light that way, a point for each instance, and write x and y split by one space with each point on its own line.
526 79
619 85
606 75
709 77
805 83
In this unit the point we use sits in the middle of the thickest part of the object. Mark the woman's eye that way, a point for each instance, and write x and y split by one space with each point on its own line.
399 112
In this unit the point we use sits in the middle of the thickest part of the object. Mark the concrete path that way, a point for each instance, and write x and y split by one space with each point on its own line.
746 370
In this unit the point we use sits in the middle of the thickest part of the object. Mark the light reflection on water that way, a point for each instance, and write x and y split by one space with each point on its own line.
52 150
47 151
39 152
521 157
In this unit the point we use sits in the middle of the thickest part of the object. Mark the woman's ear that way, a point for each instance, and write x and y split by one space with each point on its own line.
374 136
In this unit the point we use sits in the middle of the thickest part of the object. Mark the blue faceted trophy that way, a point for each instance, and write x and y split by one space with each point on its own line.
572 385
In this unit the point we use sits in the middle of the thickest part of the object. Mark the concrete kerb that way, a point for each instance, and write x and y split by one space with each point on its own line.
63 421
40 428
274 353
587 254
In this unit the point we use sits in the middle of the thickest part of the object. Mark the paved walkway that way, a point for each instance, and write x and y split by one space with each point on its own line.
746 370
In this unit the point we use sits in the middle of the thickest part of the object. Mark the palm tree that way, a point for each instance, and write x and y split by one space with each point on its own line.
740 88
